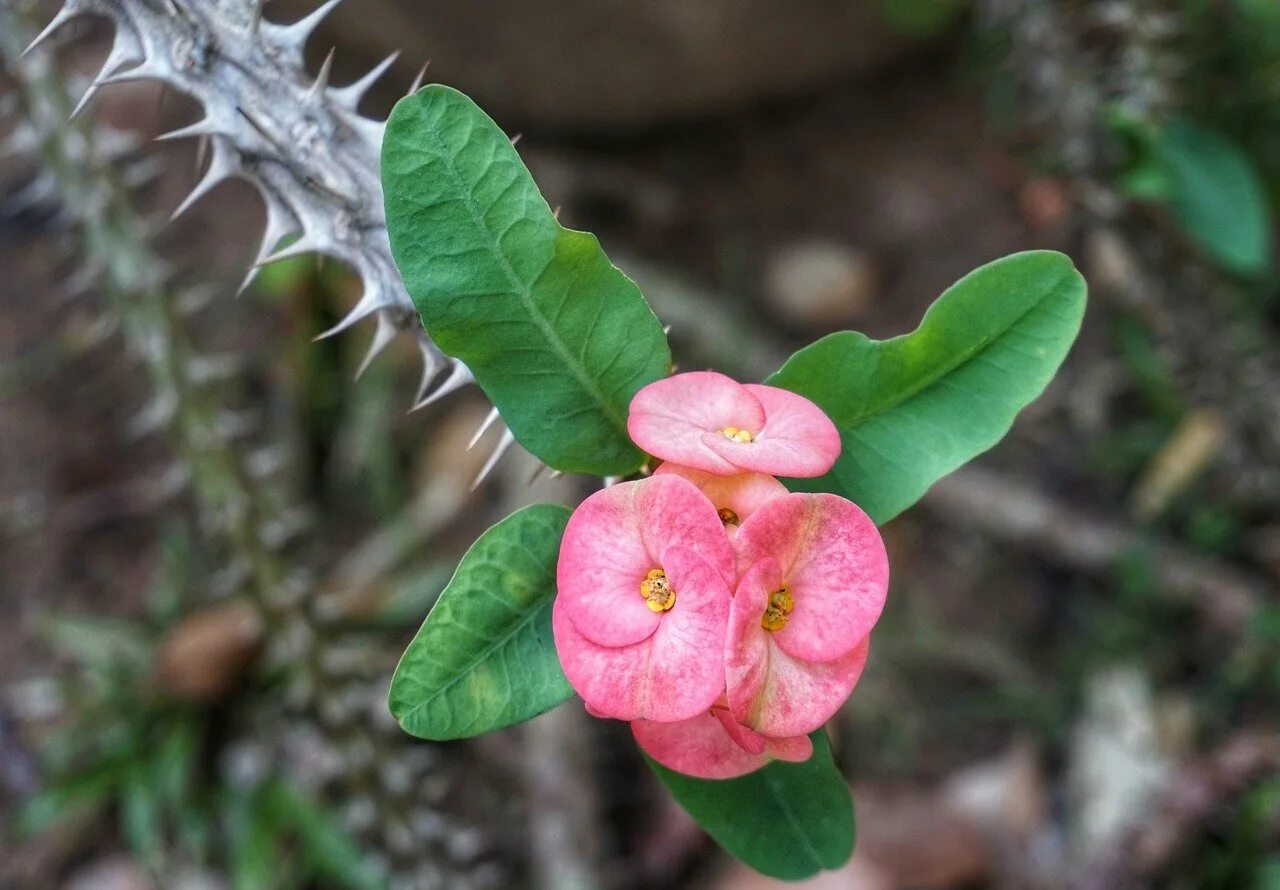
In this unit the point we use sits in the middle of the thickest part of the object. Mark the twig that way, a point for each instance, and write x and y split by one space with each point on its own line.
1020 515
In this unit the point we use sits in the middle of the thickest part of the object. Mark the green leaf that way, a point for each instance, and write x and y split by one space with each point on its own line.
788 820
74 795
914 408
101 644
256 853
329 852
484 658
558 338
1217 196
140 815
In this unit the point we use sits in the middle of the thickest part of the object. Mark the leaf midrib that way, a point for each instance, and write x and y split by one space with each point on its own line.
947 369
521 291
793 821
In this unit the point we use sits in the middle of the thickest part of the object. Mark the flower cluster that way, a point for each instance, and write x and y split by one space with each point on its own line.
725 617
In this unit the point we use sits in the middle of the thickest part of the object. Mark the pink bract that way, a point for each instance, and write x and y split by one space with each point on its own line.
713 746
691 418
828 557
742 494
625 660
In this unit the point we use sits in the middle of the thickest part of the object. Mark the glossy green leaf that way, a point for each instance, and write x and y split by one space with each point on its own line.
914 408
485 658
1217 196
558 338
788 820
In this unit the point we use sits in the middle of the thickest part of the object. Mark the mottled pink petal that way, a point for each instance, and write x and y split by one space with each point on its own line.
813 442
769 690
673 674
797 438
701 746
742 493
747 739
669 417
832 559
616 537
672 512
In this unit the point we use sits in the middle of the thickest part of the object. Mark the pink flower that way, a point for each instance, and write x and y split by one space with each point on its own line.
713 746
734 497
709 422
813 583
643 587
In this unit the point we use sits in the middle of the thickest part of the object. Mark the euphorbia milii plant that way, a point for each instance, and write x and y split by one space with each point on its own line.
646 621
719 591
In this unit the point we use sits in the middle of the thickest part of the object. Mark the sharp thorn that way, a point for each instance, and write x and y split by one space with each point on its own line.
419 78
84 101
488 421
538 470
64 15
500 449
200 128
351 94
297 33
458 377
322 77
383 334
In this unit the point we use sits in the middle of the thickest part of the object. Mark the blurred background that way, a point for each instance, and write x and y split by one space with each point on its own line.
215 541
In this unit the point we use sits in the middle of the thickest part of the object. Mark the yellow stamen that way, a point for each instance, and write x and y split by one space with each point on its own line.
780 605
727 516
657 591
734 434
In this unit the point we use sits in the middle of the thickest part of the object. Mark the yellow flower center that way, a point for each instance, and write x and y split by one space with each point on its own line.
734 434
727 516
657 591
780 605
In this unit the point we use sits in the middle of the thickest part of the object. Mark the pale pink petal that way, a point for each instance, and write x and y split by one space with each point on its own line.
812 439
797 439
669 417
746 648
796 749
768 690
704 746
603 559
672 675
747 739
672 512
832 559
742 493
616 537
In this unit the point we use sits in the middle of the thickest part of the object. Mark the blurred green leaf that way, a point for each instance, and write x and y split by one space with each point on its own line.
257 855
174 764
558 337
485 658
787 821
102 644
921 18
912 409
328 850
76 794
140 815
1217 196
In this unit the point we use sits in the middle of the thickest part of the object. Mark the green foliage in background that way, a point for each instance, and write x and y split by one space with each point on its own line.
912 409
558 338
128 751
1211 186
